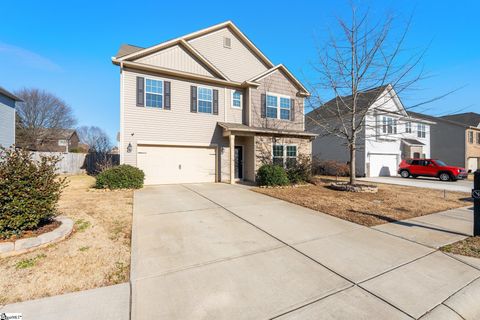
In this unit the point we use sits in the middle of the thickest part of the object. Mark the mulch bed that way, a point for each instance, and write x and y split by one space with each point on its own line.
44 228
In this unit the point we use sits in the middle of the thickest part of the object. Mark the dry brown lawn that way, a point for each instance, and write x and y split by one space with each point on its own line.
96 254
467 247
391 203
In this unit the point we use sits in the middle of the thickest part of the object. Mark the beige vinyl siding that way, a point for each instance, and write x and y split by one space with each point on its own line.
234 115
278 83
7 125
238 63
178 59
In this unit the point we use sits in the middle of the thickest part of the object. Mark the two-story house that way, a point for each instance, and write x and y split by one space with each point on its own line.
207 106
387 134
456 139
8 102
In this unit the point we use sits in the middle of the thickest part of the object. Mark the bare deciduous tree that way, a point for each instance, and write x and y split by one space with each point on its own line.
359 58
38 114
95 138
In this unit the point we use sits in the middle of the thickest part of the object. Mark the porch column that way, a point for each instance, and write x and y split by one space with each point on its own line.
232 159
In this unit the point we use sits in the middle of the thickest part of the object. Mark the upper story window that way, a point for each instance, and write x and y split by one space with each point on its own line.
205 100
153 93
278 107
272 106
285 108
237 99
478 137
389 125
62 142
408 127
470 136
421 130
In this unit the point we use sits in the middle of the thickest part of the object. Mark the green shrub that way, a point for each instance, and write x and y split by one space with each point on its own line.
300 170
120 177
29 191
272 175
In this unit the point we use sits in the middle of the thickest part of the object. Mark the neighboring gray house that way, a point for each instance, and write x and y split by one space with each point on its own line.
456 139
8 102
388 133
208 106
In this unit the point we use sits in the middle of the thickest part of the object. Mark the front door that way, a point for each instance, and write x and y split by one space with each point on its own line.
238 162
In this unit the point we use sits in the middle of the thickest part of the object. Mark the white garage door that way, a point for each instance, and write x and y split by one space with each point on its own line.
383 165
166 164
473 164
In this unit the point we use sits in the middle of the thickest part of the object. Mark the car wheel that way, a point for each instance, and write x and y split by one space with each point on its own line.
405 174
444 176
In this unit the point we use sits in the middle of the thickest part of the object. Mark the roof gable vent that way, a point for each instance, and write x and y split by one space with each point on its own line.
227 42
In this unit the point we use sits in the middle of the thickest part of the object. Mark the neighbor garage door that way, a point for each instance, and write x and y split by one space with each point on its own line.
383 165
473 164
168 164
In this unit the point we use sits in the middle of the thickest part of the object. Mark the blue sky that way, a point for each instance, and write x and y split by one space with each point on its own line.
65 47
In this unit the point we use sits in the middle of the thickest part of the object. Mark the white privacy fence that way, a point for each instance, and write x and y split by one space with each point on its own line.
70 163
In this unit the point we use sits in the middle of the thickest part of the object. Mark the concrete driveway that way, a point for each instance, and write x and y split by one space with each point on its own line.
425 182
216 251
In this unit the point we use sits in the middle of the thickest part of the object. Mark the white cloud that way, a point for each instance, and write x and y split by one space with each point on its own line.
11 54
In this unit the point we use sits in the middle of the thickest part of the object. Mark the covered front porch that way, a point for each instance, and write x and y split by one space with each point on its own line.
250 147
412 148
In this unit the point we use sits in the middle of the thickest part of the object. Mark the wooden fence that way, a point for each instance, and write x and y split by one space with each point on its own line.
76 163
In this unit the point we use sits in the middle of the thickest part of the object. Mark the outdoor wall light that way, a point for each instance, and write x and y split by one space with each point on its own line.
129 148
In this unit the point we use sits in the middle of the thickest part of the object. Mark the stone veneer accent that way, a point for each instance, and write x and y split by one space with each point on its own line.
263 147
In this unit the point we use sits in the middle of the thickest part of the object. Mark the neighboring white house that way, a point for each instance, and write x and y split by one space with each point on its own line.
388 134
7 117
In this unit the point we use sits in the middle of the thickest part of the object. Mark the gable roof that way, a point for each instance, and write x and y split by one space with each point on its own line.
289 75
53 133
9 95
470 119
340 105
229 24
126 49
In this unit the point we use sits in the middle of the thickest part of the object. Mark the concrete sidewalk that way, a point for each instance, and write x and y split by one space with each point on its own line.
111 302
216 251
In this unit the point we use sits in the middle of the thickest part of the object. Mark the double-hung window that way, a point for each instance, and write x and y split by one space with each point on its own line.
205 100
421 130
389 125
470 136
285 108
272 102
408 127
278 107
478 137
237 99
284 155
278 154
154 93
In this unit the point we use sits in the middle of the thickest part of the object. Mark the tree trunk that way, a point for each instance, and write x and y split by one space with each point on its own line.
352 163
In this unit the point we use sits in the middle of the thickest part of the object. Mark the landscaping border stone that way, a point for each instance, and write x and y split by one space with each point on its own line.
345 186
13 248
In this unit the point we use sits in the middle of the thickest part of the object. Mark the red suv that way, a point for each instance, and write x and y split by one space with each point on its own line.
430 168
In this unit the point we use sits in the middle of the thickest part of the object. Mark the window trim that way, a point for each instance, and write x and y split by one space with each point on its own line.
478 137
385 124
408 127
279 96
198 99
241 99
285 157
158 94
421 130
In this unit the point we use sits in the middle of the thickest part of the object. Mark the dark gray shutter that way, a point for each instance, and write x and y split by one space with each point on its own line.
263 105
292 109
193 99
215 101
140 91
166 95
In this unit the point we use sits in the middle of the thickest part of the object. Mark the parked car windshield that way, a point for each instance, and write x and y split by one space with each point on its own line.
441 163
